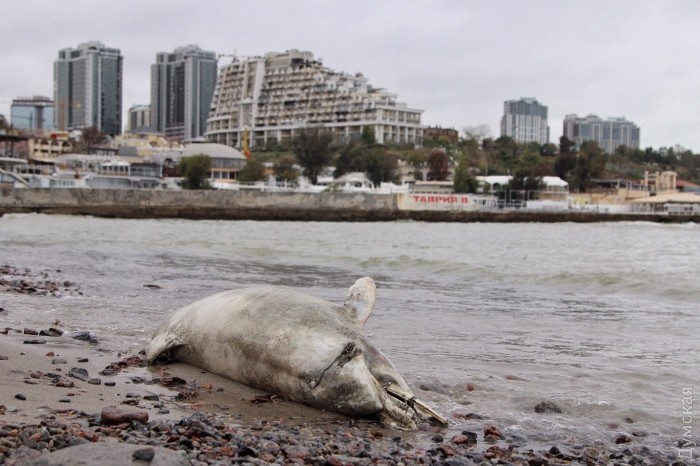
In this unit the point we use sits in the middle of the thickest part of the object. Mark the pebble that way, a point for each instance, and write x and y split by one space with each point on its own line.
79 373
547 407
113 416
126 436
19 396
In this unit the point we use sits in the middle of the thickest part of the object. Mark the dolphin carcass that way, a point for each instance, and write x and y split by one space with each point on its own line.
294 345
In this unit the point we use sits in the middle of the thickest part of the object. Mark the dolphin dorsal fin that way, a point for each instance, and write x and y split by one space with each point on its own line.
360 299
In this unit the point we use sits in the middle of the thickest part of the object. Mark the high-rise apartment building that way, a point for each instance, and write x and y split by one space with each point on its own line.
271 98
525 120
32 113
139 117
609 134
88 88
182 85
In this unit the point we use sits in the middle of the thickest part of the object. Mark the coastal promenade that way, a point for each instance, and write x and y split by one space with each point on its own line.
253 205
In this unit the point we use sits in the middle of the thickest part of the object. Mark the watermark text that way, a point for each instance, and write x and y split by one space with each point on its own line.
687 444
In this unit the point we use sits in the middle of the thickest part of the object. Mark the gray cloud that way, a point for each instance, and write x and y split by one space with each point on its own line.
457 60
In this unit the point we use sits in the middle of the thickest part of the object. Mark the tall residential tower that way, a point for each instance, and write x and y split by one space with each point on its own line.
182 85
525 120
609 134
88 88
269 99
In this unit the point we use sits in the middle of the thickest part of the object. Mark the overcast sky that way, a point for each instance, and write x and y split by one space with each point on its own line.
457 60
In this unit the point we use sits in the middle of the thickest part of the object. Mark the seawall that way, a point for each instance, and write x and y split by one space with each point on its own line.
254 205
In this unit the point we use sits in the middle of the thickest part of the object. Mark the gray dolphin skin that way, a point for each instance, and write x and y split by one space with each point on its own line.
294 345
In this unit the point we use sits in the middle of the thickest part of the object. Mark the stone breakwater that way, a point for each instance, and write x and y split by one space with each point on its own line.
254 205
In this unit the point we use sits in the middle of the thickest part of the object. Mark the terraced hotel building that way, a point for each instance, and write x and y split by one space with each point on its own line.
271 98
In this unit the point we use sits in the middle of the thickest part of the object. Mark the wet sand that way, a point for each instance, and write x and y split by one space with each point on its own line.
53 390
29 369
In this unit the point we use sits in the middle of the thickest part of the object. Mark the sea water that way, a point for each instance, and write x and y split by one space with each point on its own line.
483 320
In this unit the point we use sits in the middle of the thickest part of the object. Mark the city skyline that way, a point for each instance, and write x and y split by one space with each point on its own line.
457 61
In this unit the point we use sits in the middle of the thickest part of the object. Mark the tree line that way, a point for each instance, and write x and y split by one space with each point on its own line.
313 149
440 159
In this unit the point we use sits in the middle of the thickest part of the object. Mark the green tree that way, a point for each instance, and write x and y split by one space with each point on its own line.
590 164
4 124
368 137
253 171
313 148
195 169
438 166
351 158
381 165
548 150
464 182
565 162
566 145
283 168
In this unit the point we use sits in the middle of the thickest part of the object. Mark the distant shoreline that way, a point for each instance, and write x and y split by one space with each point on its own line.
325 207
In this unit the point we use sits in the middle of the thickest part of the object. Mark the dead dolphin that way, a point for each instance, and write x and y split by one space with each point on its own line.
293 345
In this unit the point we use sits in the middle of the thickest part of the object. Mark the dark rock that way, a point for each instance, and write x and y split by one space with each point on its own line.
83 360
110 383
83 335
62 382
34 342
151 397
29 331
19 396
172 381
547 407
245 450
144 454
623 438
64 400
79 373
51 332
111 416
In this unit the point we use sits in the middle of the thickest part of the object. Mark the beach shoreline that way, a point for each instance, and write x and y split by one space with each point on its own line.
61 389
40 392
